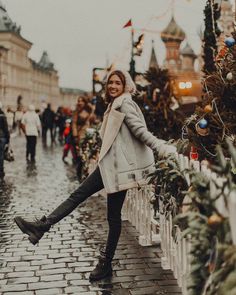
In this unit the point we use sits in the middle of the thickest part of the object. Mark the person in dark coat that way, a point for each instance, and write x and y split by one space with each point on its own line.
59 124
48 120
4 139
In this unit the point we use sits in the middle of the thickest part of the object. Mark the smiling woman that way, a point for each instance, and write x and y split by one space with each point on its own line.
125 159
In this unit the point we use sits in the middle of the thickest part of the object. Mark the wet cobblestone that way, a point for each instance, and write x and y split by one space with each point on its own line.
63 259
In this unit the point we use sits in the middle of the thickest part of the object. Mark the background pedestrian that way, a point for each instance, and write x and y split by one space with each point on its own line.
31 126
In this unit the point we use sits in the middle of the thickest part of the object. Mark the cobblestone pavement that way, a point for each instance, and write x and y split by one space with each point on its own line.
63 259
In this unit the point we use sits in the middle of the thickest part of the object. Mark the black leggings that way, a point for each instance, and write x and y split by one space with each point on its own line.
92 184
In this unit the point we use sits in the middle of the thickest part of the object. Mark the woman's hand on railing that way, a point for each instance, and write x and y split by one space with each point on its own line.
166 150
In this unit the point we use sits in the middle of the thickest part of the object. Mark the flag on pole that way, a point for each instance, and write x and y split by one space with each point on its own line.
128 24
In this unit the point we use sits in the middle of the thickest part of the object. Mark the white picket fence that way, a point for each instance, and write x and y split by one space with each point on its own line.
139 212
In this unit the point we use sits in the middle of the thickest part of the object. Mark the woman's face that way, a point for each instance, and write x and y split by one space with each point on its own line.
114 86
80 103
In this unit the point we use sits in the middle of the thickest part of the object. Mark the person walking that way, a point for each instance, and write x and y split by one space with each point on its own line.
125 160
10 118
30 124
69 144
18 117
48 121
59 124
4 139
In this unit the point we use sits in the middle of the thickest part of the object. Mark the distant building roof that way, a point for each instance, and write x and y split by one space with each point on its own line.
188 51
72 91
6 24
153 60
45 62
173 32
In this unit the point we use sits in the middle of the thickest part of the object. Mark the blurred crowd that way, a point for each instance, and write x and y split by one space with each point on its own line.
63 126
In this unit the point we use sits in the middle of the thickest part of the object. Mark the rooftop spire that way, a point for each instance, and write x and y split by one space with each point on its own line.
153 60
45 61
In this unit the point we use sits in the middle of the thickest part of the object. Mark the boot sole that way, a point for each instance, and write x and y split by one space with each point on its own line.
32 237
98 278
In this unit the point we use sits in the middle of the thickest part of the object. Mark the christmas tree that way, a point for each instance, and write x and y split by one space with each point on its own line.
215 119
160 105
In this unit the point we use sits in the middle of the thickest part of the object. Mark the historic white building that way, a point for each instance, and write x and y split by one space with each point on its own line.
20 76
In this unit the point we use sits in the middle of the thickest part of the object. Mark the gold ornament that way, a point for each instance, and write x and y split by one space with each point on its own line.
208 108
214 220
163 165
202 131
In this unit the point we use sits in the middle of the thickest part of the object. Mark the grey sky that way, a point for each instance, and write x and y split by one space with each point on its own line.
82 34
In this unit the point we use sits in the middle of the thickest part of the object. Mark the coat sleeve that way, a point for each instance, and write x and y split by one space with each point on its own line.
137 126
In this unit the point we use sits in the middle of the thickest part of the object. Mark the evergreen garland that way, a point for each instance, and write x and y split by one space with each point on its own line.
213 267
89 148
213 258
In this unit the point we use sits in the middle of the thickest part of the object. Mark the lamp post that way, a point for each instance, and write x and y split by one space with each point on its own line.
132 61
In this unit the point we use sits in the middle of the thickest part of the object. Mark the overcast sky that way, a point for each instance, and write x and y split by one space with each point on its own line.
82 34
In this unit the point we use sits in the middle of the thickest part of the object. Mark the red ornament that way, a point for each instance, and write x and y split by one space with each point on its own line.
193 153
221 53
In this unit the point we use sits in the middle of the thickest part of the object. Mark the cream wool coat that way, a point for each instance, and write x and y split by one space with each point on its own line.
126 155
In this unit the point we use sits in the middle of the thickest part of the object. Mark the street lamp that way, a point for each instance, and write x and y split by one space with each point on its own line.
136 49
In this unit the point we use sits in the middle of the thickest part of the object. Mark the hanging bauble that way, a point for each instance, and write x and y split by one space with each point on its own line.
146 107
203 123
230 41
214 220
193 153
229 76
94 100
222 53
202 131
208 108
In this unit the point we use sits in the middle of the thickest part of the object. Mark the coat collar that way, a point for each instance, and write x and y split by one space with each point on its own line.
117 102
112 122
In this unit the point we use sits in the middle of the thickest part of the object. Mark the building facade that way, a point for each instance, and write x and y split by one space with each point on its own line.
21 77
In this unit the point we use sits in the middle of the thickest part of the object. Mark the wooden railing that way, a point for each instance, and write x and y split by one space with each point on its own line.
138 210
175 250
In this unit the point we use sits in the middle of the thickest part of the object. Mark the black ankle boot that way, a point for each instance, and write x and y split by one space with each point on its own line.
102 270
35 230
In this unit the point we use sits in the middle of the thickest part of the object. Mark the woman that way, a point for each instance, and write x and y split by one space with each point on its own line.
124 161
81 118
